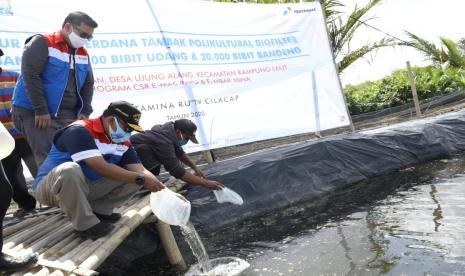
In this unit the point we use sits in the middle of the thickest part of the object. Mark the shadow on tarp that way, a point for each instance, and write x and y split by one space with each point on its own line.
311 172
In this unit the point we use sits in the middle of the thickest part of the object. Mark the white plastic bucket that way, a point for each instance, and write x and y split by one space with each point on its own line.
7 143
170 207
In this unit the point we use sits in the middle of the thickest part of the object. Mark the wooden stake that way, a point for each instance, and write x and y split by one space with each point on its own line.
411 79
208 156
169 244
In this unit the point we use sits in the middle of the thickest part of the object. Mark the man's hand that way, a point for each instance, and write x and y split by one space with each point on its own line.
213 185
199 173
43 121
153 184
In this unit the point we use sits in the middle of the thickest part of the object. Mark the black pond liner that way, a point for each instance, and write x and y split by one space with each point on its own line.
309 171
305 171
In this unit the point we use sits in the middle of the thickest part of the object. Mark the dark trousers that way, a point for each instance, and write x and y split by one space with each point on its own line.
14 171
5 199
40 139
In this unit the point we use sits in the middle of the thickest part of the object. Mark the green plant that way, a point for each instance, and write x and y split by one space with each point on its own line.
394 90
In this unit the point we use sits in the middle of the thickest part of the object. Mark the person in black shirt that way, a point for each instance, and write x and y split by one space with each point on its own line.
162 145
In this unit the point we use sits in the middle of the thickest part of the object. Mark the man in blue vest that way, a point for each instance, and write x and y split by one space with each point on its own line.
56 83
92 168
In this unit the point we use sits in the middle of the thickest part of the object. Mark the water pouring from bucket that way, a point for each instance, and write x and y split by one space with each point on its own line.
174 209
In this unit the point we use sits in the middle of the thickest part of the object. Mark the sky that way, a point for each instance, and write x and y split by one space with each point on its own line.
426 18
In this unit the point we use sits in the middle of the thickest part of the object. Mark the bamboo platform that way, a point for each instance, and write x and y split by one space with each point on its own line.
62 252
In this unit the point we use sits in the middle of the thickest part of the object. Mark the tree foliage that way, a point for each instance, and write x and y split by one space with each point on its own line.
342 32
449 53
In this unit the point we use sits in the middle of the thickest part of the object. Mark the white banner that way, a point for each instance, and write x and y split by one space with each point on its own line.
241 72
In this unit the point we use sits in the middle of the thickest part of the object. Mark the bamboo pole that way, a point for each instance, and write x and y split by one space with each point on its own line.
66 262
51 211
128 206
171 248
139 218
62 252
87 252
27 271
21 225
169 242
52 239
137 214
66 258
57 273
177 185
43 272
34 237
132 220
127 217
67 247
26 234
106 248
66 267
14 238
84 272
411 79
49 253
208 156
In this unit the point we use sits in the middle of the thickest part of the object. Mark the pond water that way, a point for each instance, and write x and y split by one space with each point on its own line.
408 222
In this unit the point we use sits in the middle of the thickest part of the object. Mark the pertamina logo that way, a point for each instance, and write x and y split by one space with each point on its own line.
289 10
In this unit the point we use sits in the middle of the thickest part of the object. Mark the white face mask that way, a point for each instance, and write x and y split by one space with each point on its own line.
76 41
